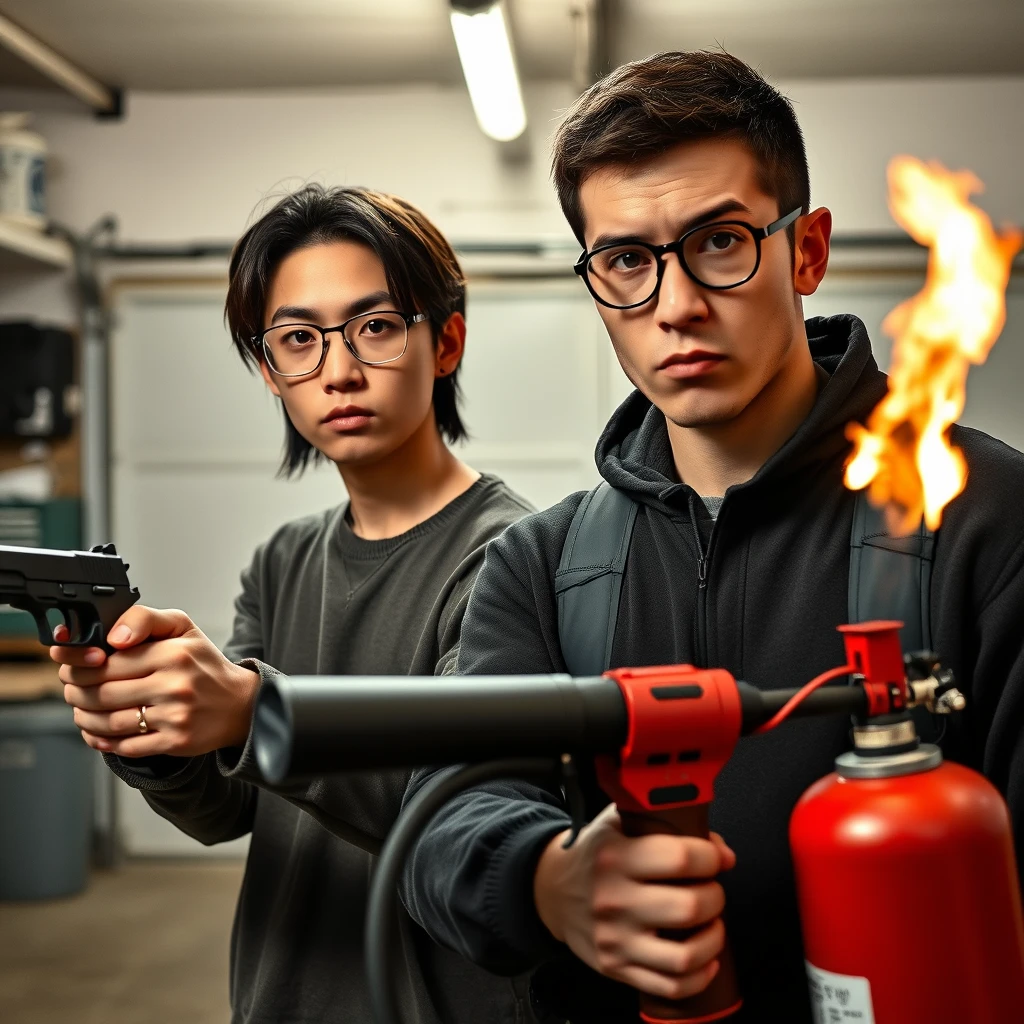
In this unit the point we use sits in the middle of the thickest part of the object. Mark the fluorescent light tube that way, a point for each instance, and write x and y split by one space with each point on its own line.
485 51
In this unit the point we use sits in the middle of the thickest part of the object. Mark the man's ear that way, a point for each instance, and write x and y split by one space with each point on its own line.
451 345
269 378
810 250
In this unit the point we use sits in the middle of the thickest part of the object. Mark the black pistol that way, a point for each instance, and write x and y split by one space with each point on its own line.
89 589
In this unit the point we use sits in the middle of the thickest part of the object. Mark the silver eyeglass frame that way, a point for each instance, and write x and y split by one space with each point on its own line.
325 342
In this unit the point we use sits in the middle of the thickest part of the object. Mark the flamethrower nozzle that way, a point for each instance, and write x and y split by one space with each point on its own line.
316 725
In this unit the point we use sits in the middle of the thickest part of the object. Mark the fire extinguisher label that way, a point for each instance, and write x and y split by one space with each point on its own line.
839 998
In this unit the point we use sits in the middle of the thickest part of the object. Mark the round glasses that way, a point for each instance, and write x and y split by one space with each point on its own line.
725 254
293 350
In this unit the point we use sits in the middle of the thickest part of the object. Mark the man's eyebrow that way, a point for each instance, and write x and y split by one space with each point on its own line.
295 314
724 208
308 315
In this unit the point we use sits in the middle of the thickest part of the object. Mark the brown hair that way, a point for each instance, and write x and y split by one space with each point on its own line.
644 108
422 271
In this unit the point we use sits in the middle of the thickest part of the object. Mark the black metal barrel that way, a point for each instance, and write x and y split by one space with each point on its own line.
315 725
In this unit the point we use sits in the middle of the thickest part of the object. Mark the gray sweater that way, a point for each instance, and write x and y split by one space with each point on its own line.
317 599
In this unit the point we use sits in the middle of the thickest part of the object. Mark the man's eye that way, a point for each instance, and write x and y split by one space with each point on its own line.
300 337
720 241
629 260
377 328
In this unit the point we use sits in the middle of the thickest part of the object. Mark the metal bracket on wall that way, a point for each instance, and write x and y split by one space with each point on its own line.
95 320
94 372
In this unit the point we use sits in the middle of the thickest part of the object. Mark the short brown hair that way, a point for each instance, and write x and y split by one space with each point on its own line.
422 271
646 107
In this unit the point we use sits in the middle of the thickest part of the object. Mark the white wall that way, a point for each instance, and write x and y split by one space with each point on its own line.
193 165
853 128
187 166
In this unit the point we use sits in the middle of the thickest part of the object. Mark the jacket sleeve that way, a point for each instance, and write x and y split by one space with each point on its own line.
996 698
977 595
191 792
469 880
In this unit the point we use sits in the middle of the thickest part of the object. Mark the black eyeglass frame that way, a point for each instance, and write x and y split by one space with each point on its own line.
580 267
325 342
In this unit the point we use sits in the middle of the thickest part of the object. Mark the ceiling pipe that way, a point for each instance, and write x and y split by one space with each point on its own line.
590 59
103 99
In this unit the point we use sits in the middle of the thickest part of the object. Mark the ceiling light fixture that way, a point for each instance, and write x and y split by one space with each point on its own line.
485 50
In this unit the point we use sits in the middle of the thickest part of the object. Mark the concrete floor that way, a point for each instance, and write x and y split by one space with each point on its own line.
145 944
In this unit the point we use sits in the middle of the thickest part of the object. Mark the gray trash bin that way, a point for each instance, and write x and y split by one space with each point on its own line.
46 787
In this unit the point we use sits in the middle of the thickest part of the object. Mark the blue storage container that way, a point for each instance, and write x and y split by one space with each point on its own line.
46 791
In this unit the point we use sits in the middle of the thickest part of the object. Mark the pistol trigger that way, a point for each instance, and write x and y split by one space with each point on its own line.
74 622
574 798
42 628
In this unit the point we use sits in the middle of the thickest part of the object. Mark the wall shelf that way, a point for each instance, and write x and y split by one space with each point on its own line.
25 248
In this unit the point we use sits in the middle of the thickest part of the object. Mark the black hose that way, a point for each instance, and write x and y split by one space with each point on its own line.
758 706
381 911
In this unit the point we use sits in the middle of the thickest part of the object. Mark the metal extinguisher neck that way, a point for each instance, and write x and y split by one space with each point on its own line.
885 749
885 735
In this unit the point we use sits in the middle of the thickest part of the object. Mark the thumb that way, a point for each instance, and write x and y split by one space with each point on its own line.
140 624
609 818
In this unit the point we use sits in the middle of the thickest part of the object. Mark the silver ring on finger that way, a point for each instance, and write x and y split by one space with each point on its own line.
141 716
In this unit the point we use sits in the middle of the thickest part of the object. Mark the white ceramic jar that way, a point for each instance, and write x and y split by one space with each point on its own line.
22 171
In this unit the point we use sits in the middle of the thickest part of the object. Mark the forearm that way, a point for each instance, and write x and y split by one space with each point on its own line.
197 799
469 879
358 807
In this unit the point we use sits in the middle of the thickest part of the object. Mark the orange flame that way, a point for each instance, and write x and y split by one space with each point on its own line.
904 455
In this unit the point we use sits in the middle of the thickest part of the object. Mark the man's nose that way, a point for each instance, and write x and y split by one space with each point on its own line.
680 299
341 370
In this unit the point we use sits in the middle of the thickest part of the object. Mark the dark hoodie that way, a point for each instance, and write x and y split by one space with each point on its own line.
777 565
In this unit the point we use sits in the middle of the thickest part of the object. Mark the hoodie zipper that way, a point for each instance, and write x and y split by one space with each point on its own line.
700 624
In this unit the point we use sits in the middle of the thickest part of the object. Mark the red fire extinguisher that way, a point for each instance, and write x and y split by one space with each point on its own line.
906 878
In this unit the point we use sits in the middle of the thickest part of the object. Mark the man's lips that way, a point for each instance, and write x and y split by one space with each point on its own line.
349 417
695 363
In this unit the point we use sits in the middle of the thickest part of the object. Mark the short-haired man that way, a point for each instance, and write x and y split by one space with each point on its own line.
685 179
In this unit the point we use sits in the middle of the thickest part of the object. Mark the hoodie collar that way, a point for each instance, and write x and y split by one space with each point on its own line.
634 454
